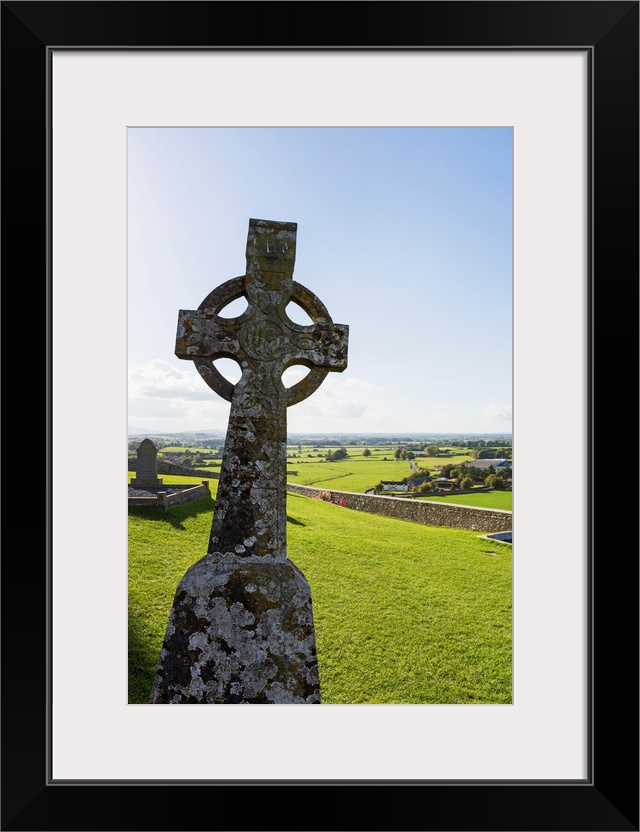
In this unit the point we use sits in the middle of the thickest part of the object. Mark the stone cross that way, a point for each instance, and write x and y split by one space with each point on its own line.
241 627
146 466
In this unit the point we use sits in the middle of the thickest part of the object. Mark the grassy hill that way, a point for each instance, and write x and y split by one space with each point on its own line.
404 613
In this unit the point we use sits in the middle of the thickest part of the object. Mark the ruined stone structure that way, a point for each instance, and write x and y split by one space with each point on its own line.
241 627
147 489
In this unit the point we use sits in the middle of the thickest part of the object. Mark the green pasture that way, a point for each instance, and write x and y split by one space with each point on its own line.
355 473
404 613
195 449
487 499
173 479
353 451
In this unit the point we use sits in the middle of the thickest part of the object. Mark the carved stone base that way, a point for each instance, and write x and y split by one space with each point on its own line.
146 482
239 632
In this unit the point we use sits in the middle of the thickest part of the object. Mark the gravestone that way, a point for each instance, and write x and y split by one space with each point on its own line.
241 626
146 466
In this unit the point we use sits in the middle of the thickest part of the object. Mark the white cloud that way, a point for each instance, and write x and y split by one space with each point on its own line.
165 398
160 380
500 412
335 406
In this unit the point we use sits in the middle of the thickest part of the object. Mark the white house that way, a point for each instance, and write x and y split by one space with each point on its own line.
487 463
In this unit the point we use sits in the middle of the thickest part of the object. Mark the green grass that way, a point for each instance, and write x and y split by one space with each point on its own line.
487 499
179 479
404 613
356 473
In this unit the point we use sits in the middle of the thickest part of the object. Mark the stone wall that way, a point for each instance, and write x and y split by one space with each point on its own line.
190 495
164 500
428 512
177 470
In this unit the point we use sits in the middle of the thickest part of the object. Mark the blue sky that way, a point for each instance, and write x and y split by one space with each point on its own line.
405 234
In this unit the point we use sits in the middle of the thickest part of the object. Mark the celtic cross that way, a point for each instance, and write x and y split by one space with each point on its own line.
241 626
250 515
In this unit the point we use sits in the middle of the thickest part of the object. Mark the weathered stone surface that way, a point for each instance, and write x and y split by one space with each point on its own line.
146 468
239 632
165 497
241 628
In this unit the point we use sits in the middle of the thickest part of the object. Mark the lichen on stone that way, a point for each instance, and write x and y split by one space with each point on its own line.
241 627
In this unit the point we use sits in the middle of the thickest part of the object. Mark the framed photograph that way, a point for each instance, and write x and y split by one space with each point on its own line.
563 79
403 402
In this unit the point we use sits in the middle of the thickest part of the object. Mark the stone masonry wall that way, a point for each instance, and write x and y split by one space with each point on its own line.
190 495
164 501
419 511
178 470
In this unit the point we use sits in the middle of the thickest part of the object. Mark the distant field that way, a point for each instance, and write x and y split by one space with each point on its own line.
353 450
488 499
172 479
182 449
456 457
356 473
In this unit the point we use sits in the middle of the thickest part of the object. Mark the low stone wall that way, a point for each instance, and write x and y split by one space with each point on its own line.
144 502
164 500
178 470
427 512
190 495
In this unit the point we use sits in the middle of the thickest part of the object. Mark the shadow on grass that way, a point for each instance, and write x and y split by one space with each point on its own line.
174 516
143 660
295 522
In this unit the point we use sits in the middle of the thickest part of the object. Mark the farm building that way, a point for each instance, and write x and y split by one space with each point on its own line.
487 463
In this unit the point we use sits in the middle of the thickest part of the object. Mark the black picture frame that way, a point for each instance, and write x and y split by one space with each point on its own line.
608 798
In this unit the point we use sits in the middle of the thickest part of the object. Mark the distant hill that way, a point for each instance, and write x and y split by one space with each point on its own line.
185 437
138 432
